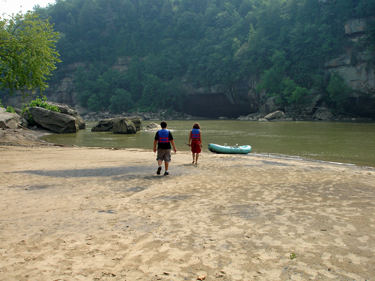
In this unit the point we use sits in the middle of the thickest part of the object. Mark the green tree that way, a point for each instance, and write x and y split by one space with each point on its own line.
27 52
153 94
272 78
292 92
94 103
338 91
134 77
121 101
175 94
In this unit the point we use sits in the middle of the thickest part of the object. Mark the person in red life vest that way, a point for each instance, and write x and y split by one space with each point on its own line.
164 139
195 142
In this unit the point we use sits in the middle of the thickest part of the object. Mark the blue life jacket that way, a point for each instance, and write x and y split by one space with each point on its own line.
163 136
195 134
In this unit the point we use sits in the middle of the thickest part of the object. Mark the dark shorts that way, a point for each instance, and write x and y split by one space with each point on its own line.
195 146
164 155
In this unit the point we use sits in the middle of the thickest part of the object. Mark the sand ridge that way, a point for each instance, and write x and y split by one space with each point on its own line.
102 214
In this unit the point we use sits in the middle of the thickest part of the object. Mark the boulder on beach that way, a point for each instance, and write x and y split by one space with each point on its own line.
69 110
9 120
54 121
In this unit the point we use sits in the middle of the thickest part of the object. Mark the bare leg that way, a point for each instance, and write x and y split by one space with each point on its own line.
166 165
160 162
193 156
196 158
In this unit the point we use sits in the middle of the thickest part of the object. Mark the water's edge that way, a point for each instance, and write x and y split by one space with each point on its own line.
341 143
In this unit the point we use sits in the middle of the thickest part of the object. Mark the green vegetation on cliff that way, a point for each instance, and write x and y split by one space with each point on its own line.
285 43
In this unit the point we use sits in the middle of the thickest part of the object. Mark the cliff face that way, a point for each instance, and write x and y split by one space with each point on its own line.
64 91
357 70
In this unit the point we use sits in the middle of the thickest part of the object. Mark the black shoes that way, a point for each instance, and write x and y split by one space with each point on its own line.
159 170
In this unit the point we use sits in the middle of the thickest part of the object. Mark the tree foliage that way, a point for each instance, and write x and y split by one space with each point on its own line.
285 43
338 91
27 52
121 101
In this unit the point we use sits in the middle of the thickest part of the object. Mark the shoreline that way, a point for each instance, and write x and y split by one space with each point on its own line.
103 214
31 138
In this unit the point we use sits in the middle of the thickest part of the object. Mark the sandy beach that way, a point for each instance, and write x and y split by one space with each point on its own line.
71 213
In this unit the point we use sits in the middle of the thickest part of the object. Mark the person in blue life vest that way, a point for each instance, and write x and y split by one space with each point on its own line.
195 142
164 139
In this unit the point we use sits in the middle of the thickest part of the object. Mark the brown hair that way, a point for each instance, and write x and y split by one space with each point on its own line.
196 126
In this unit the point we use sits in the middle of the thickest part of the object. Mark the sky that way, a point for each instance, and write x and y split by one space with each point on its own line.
14 6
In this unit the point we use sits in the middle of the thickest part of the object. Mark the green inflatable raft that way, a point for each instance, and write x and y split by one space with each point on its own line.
244 149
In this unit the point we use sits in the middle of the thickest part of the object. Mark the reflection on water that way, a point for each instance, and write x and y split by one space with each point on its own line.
327 141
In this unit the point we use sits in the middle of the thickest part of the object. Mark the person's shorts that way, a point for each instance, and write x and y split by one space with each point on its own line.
164 155
195 146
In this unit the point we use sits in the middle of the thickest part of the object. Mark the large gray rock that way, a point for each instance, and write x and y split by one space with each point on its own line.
137 121
107 124
153 127
9 120
124 126
355 26
269 106
323 114
251 117
103 125
54 121
69 110
277 115
18 111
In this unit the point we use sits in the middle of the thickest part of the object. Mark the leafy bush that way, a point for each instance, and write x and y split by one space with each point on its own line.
10 109
38 103
294 93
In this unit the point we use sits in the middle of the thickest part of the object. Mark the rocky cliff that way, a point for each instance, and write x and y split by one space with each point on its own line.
357 70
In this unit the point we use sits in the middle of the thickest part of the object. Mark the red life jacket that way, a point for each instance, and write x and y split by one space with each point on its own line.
163 136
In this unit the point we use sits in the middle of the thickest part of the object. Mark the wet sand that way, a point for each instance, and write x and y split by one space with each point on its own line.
71 213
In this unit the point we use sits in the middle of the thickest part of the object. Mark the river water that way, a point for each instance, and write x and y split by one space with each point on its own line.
349 143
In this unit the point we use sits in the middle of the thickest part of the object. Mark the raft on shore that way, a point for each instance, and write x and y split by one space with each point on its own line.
244 149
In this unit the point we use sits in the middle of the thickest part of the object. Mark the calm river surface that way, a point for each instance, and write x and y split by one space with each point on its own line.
350 143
